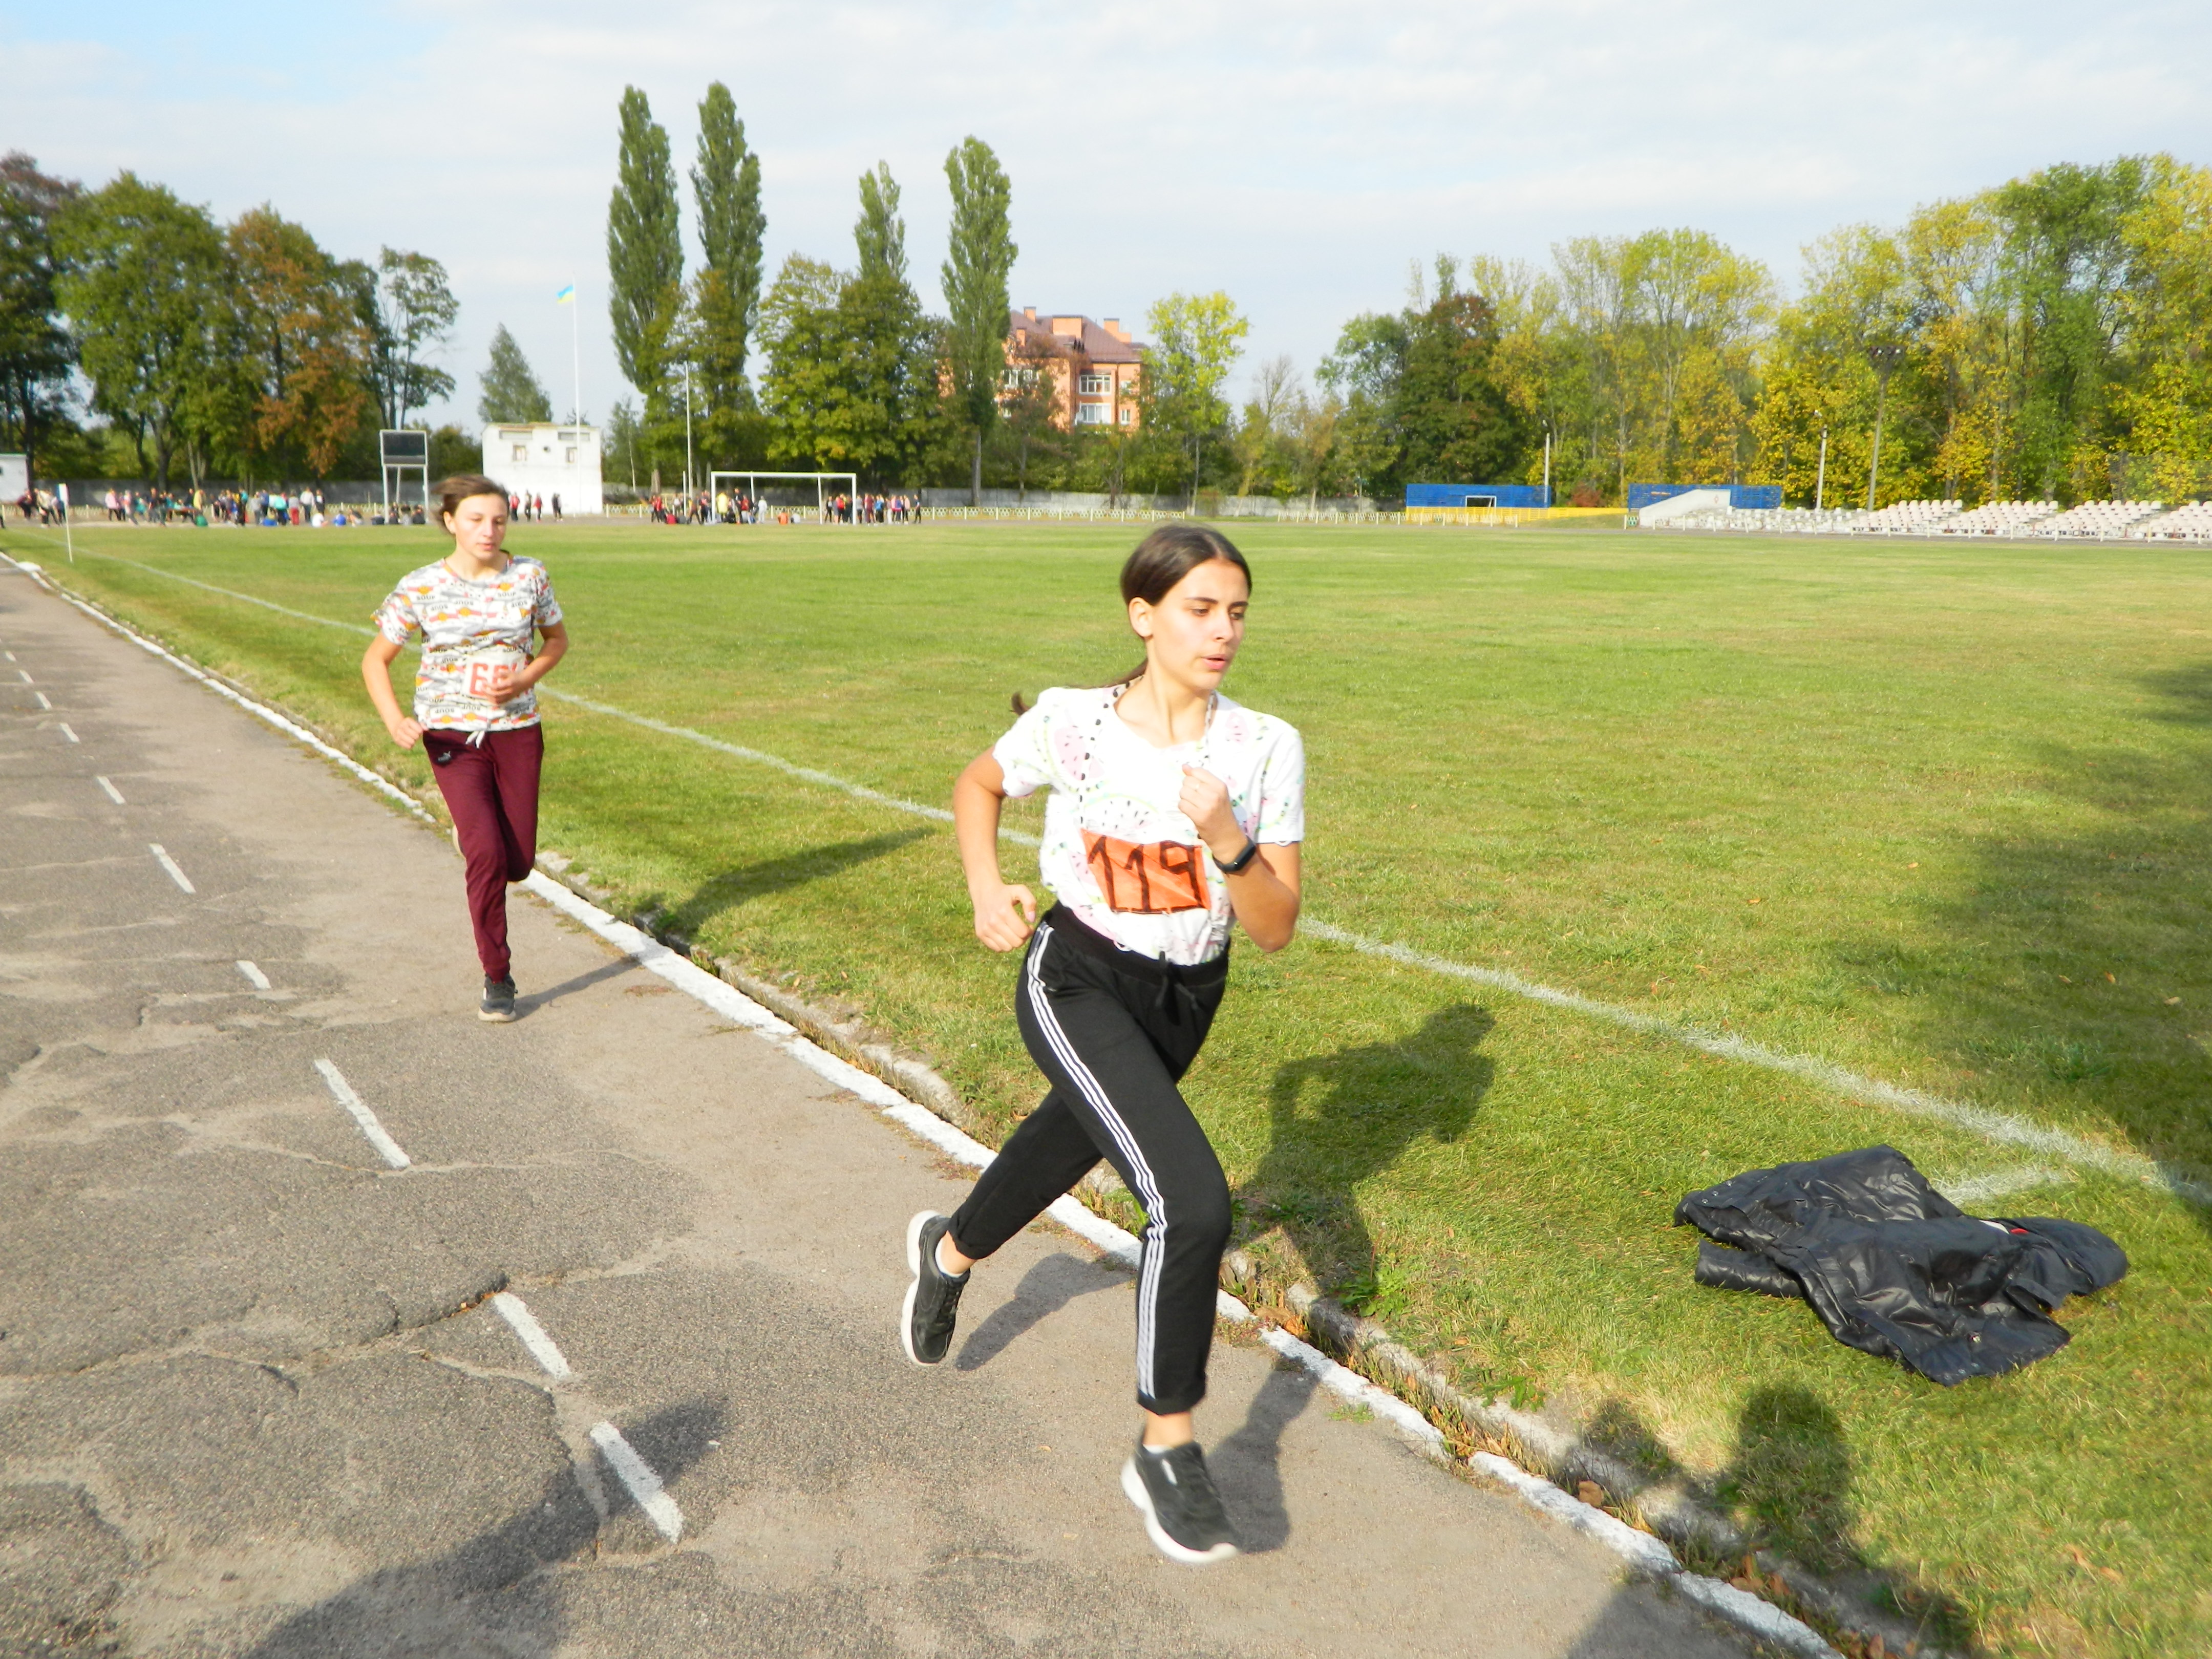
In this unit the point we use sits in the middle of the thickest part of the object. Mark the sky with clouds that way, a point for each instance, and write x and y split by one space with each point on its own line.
1298 155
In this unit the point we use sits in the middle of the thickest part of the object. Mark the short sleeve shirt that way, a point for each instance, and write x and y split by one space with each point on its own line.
1118 850
462 621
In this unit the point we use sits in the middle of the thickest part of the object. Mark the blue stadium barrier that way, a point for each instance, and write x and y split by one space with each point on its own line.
1476 495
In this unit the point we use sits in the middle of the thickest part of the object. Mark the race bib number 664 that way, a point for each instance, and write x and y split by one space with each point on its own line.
1150 879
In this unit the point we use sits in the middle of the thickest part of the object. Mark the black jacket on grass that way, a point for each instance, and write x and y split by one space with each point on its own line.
1895 1268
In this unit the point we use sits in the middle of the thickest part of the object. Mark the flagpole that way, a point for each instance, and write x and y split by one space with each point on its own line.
576 350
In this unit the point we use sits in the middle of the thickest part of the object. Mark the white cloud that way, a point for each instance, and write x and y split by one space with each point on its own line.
1297 155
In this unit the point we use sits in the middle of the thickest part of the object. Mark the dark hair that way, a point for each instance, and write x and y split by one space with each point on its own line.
1161 561
452 492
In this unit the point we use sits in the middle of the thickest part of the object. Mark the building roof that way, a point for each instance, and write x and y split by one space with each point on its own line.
1063 333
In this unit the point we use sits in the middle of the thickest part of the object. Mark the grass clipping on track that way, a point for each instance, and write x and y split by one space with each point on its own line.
1935 813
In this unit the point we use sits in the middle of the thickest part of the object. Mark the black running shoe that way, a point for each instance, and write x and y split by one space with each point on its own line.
1183 1512
933 1300
498 1002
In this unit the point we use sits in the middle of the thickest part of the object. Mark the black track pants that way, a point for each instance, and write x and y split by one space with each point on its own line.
1113 1032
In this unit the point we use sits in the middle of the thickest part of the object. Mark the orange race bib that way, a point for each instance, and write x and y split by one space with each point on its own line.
1148 878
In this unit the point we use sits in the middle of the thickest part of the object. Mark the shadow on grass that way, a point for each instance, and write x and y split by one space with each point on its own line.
492 1595
1789 1487
2075 970
1340 1118
719 895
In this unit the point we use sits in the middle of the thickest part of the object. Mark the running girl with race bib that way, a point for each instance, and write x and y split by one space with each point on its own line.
1173 811
474 710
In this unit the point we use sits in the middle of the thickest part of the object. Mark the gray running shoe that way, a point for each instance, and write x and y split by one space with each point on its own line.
498 1002
933 1300
1182 1510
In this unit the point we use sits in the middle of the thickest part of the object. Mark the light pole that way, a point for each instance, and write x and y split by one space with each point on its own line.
1884 357
686 434
1547 467
1820 479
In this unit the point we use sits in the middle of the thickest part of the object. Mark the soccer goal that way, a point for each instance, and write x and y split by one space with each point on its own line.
823 484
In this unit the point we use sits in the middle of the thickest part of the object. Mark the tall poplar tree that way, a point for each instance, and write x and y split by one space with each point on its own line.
644 250
725 294
976 267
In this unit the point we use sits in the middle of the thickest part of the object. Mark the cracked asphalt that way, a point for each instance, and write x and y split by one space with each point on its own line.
253 1400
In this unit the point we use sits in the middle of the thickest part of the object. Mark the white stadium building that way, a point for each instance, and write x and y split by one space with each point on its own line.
547 459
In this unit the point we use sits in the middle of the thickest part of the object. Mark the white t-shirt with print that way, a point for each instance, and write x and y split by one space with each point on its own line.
466 626
1118 850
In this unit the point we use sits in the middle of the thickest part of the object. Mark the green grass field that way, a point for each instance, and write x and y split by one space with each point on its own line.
1935 813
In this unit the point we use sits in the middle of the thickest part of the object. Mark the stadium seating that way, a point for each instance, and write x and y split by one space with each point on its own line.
2090 520
1999 518
1906 518
2099 518
2191 522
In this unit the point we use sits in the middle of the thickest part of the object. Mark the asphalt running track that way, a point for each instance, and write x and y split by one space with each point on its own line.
335 1321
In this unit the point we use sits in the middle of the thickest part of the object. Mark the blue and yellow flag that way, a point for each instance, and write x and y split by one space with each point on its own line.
566 297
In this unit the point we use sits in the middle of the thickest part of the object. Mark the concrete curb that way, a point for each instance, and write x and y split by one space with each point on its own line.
771 1018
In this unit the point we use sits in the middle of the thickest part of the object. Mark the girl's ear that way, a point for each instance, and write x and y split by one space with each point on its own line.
1140 619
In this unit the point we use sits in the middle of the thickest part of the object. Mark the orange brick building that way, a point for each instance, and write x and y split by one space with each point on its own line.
1092 366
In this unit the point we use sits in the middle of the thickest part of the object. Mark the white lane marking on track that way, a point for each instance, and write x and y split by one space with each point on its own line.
387 1147
67 732
291 728
169 863
26 673
2002 1126
254 976
113 793
524 1323
43 703
11 656
637 1474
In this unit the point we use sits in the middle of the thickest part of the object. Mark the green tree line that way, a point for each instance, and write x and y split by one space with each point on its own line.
2048 338
200 349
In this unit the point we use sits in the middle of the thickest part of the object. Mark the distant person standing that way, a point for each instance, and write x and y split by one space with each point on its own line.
557 507
476 710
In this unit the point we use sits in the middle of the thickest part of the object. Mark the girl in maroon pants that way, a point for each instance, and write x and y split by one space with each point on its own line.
475 711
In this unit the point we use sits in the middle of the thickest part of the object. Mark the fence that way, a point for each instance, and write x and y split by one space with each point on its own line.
1508 518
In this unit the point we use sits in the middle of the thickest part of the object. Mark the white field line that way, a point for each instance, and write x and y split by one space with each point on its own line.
2002 1127
67 731
342 1091
637 1474
2005 1128
42 701
113 793
169 863
525 1325
254 976
26 674
1976 1189
10 656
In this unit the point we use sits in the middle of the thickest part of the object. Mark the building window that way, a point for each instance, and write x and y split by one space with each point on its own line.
1090 415
521 452
572 458
1128 418
1095 385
